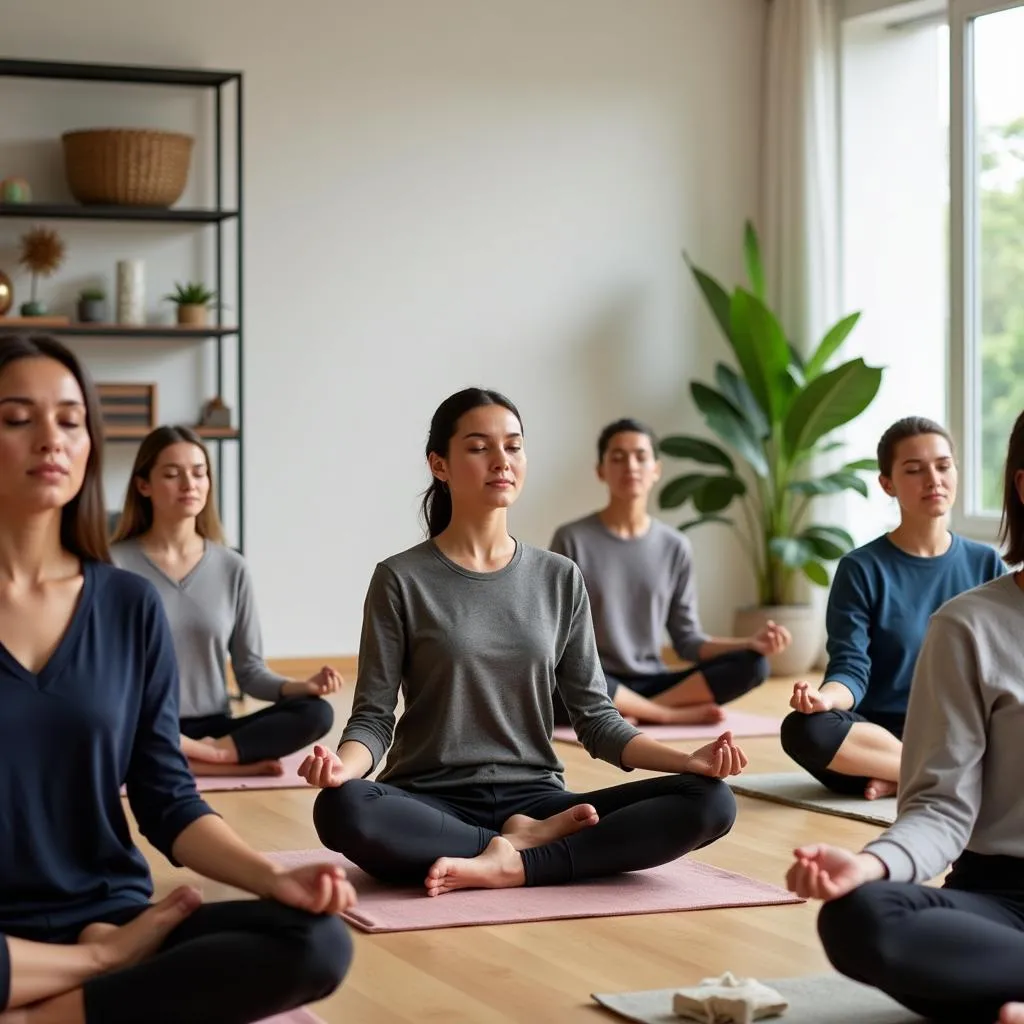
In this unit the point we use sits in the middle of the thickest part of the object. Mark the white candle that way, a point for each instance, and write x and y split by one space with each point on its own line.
131 292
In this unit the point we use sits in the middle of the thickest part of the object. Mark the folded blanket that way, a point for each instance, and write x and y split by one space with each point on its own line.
728 1000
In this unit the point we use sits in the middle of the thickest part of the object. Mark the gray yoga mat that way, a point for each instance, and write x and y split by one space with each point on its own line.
798 789
819 999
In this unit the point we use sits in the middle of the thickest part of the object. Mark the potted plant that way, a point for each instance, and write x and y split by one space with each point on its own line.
92 306
42 252
193 299
775 417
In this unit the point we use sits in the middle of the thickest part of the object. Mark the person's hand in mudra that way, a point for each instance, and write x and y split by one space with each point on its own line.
808 701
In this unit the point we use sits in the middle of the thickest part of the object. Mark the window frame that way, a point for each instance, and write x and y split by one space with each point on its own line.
963 394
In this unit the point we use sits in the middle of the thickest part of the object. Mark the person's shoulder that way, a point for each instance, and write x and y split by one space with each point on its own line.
979 553
409 559
580 526
673 540
117 587
124 552
983 605
874 555
550 567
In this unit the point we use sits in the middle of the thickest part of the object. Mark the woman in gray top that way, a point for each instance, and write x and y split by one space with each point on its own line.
953 953
170 533
479 632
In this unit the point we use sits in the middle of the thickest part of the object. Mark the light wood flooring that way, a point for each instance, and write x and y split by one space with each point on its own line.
546 971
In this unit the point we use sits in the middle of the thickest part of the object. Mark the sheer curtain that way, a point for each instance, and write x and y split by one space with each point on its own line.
800 202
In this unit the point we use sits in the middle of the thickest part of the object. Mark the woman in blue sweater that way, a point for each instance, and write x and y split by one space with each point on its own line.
848 733
88 702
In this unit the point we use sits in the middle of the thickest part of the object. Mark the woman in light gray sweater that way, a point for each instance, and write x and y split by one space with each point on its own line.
953 953
479 632
170 533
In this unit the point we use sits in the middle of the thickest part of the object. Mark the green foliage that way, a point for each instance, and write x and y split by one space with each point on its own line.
192 293
92 294
1001 255
772 417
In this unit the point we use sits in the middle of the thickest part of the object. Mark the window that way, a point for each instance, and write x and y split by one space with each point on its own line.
986 41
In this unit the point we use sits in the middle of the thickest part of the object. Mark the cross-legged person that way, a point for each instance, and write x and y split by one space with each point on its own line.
479 631
88 702
847 732
170 533
641 583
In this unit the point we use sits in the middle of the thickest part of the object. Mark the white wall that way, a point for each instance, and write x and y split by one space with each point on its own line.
895 188
442 194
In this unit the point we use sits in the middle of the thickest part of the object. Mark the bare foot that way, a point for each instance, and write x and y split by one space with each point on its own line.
523 831
225 744
1011 1013
256 768
694 714
876 789
118 947
500 866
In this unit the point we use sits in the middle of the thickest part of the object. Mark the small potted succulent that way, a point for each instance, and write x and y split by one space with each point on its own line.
92 306
193 300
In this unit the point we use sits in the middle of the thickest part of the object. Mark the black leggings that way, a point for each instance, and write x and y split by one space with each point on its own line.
396 835
228 963
813 741
273 732
728 676
953 954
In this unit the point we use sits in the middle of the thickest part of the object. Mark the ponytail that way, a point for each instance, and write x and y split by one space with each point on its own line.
437 507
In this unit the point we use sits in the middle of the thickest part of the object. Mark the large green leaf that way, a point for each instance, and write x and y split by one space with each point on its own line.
836 534
762 351
861 465
792 552
730 425
828 346
816 573
691 523
680 447
680 489
717 493
834 483
752 254
823 545
737 390
717 297
829 401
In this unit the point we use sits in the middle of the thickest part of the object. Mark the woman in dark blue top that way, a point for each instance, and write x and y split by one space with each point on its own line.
88 702
848 733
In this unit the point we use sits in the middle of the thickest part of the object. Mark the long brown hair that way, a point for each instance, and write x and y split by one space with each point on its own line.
83 520
137 514
1011 529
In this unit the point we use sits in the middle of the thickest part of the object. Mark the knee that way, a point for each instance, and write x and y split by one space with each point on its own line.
714 812
732 675
336 815
323 955
855 934
809 739
318 716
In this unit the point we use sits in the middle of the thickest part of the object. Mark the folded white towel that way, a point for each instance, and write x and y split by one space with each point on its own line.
728 1000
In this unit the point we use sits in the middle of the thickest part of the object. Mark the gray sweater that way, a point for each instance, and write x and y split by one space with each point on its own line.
477 657
639 587
212 613
962 747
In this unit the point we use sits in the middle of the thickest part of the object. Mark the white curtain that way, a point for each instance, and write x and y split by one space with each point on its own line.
800 216
800 175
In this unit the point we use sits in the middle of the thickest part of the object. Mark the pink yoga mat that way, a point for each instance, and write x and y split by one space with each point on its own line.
681 885
742 723
289 779
295 1017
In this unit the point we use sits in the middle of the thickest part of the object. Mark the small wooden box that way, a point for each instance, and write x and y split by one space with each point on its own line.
128 410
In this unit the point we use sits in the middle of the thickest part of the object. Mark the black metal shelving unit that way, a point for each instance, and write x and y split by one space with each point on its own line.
222 83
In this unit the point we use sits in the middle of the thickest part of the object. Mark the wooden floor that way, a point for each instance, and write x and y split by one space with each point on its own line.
546 971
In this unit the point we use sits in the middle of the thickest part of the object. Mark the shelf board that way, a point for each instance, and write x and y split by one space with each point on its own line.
131 73
167 331
150 214
131 434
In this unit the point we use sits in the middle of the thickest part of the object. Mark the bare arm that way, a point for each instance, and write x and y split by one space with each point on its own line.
717 759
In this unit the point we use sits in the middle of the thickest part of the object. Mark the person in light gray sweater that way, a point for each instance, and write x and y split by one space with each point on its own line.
641 582
479 632
953 953
169 532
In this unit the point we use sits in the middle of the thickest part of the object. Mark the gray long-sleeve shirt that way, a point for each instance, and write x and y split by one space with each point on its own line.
212 612
962 752
477 657
639 588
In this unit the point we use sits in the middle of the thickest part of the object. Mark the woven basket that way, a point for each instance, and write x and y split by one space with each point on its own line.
127 166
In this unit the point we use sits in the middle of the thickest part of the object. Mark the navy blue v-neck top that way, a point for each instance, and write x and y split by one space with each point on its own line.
101 713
